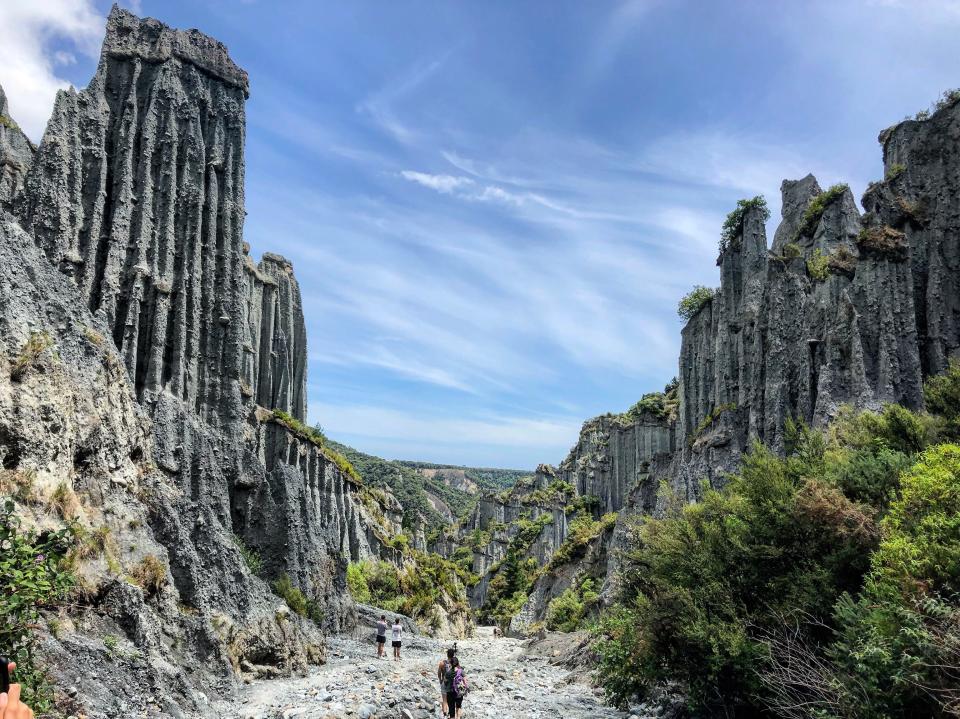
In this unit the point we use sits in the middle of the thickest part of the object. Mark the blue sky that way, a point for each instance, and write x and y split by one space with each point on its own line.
493 206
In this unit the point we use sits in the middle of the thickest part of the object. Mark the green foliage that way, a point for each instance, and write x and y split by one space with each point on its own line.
582 530
733 224
791 251
894 171
692 302
251 557
291 594
818 265
566 613
511 582
816 208
559 490
357 584
34 347
8 122
424 581
942 396
948 98
35 574
317 438
712 417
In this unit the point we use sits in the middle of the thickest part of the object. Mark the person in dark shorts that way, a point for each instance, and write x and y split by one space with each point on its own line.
397 635
457 688
381 636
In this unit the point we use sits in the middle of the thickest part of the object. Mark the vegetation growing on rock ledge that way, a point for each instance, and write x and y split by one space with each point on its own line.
692 302
816 208
733 225
317 438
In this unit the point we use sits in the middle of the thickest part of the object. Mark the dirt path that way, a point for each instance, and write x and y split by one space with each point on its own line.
506 684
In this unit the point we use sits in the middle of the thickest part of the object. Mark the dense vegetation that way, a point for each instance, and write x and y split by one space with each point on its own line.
35 574
423 582
694 300
820 584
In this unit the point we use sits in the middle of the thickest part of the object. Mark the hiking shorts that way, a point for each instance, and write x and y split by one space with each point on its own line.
396 644
453 703
381 639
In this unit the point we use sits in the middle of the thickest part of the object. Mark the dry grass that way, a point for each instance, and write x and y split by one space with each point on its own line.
150 574
38 343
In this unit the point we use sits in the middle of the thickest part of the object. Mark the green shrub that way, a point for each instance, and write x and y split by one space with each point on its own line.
150 574
251 557
733 224
942 396
566 613
694 301
818 265
357 584
816 208
712 417
34 575
581 531
295 599
894 171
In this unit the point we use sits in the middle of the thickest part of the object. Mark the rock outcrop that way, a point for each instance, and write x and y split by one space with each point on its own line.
130 236
16 155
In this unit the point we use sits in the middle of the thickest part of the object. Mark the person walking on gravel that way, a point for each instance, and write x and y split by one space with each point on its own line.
397 633
458 688
442 668
381 636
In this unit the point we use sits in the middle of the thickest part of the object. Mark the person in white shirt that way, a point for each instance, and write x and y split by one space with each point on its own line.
397 632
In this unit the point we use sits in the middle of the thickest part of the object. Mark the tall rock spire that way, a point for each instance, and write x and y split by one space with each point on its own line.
137 192
16 155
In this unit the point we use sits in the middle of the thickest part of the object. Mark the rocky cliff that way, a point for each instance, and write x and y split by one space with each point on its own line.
159 375
842 308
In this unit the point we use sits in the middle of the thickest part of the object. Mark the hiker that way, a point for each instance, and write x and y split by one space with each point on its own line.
397 632
458 688
10 705
442 668
381 636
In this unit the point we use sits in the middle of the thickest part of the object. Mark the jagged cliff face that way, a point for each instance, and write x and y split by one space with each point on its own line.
16 154
843 308
129 243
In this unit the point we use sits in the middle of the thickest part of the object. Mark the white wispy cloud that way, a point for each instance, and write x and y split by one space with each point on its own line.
441 183
380 106
28 64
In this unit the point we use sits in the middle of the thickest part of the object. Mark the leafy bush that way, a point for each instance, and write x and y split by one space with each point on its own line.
894 171
733 225
582 530
357 584
297 600
816 208
34 575
694 301
818 265
251 557
942 396
566 612
712 417
948 98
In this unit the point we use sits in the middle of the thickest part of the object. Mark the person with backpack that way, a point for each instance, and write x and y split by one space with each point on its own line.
381 636
397 632
442 668
457 681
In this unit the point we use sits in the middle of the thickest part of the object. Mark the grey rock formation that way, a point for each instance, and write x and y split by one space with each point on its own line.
16 155
136 196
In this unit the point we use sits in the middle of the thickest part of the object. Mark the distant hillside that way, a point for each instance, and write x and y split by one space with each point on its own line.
436 493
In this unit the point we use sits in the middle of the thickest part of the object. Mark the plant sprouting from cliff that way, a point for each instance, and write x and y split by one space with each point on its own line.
733 225
34 347
894 171
316 438
34 575
692 302
251 557
818 265
816 208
